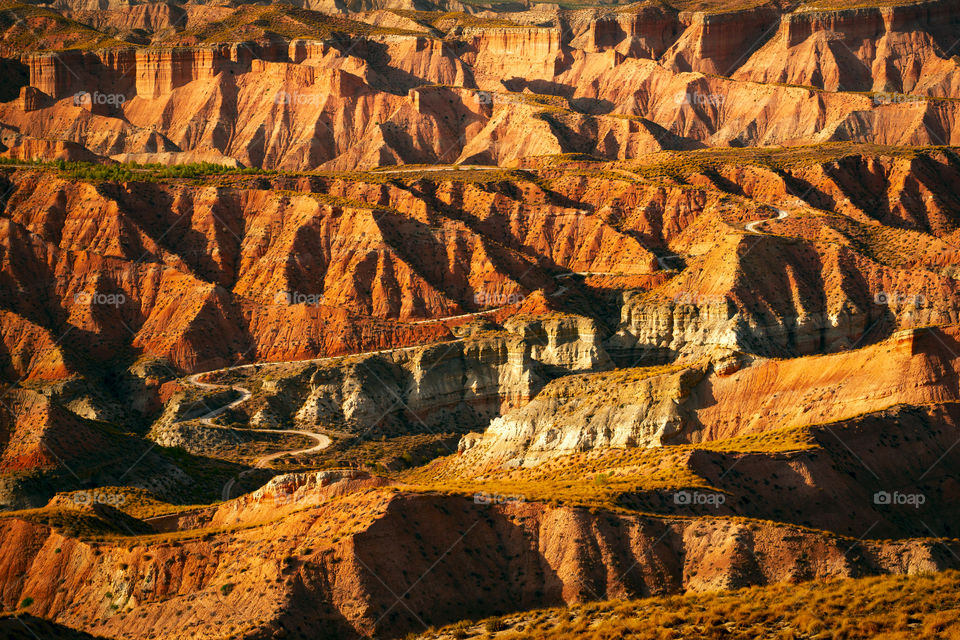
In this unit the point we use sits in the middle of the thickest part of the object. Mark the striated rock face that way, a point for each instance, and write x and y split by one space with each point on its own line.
571 343
656 333
899 49
523 52
414 58
719 43
519 556
459 384
729 396
49 73
158 72
645 33
68 72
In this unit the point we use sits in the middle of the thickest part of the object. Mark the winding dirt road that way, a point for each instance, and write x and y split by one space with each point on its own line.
323 441
752 226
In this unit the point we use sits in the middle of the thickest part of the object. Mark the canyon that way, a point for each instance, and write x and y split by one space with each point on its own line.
360 319
385 87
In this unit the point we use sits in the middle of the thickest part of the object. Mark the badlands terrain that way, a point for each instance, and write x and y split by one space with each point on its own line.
403 318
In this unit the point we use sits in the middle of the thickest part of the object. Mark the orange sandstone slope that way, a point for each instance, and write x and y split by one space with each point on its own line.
279 87
330 565
710 400
646 253
150 269
207 272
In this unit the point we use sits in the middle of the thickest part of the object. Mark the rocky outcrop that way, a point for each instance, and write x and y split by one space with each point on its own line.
644 32
463 383
896 49
31 99
578 413
520 555
718 43
730 395
499 54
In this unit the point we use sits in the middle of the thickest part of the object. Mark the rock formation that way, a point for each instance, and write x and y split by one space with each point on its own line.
305 307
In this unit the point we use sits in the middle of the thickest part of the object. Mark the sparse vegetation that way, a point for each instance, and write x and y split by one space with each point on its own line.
896 607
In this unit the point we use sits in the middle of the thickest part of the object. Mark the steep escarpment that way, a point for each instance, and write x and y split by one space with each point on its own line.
293 267
49 448
897 49
729 396
529 53
719 43
646 32
63 74
519 555
339 94
460 384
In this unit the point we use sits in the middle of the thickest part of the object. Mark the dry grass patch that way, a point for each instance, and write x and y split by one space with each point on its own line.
598 478
891 607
